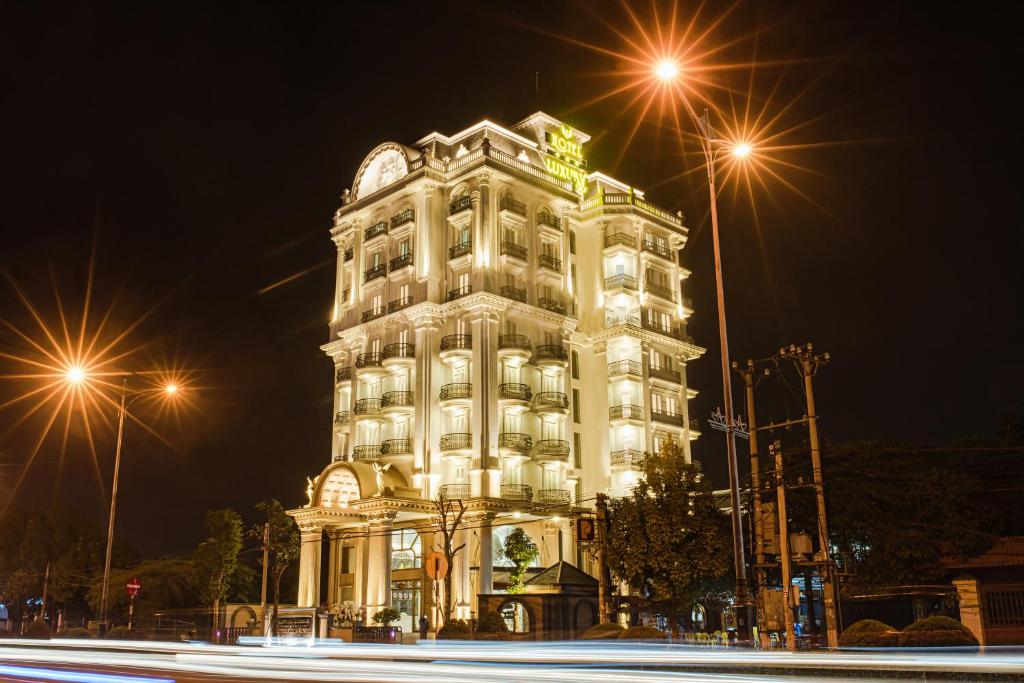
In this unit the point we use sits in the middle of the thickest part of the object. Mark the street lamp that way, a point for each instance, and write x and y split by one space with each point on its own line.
666 71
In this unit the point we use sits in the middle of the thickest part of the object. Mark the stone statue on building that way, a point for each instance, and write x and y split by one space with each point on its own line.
310 484
379 471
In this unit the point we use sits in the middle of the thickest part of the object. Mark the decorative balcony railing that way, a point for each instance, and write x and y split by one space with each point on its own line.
515 250
367 406
613 319
615 238
554 497
662 250
342 418
343 374
349 254
399 304
627 457
550 220
515 391
509 204
553 305
380 270
456 390
625 412
460 204
369 360
515 440
621 280
667 374
667 418
660 291
396 447
459 292
372 314
401 261
460 249
407 216
624 367
521 492
398 399
650 322
551 399
514 341
399 351
550 262
374 230
453 492
514 293
551 448
366 452
450 342
456 442
551 352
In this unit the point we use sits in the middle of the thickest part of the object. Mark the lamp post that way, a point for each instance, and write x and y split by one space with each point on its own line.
667 71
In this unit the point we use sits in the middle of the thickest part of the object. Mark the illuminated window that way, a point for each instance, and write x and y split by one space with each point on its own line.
405 549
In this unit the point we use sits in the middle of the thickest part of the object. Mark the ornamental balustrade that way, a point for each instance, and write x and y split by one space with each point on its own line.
372 314
456 390
551 352
407 216
667 374
459 292
398 399
454 492
456 441
551 399
553 497
460 204
343 374
621 280
617 238
661 250
625 412
553 305
396 447
550 220
460 249
507 203
515 250
550 262
366 452
399 304
667 418
374 230
375 272
515 440
450 342
520 492
367 406
401 261
515 390
514 293
660 291
514 341
403 350
627 457
342 418
369 360
551 448
624 367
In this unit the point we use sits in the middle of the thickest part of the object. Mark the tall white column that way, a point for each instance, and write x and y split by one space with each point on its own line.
427 418
486 560
461 597
378 579
485 398
309 565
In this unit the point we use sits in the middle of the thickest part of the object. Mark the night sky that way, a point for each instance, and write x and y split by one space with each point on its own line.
203 146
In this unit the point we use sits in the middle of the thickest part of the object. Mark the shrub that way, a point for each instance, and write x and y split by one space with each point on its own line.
387 616
937 632
120 633
641 633
74 633
492 623
869 633
607 631
454 629
38 629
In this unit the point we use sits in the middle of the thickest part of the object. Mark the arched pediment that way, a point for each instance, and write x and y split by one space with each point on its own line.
345 482
386 164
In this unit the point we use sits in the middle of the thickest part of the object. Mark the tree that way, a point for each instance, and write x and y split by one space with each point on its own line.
668 539
521 551
448 521
284 546
217 557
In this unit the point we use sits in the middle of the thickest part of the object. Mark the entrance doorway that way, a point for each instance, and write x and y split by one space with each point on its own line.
405 597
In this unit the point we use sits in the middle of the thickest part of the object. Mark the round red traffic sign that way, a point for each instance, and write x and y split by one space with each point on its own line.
133 586
436 565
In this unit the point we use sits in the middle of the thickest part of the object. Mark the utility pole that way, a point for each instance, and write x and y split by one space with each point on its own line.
46 584
784 557
263 589
601 508
807 364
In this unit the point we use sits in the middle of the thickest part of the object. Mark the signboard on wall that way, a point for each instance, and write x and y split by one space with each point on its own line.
563 157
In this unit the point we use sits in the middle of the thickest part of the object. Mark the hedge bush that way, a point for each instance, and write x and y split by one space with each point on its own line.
74 633
607 631
454 629
642 633
492 623
937 632
869 633
120 633
38 629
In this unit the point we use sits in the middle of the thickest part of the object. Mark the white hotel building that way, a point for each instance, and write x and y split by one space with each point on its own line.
509 329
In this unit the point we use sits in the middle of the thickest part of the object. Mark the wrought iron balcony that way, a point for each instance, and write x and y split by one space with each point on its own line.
372 314
453 492
514 293
522 442
460 204
402 218
625 412
459 292
349 254
374 230
343 374
551 448
661 250
553 305
554 497
342 418
624 367
667 418
515 250
450 342
621 280
627 457
516 391
551 352
396 447
514 341
366 452
367 406
399 351
379 270
666 374
369 360
613 319
456 390
460 249
521 492
456 442
660 291
550 262
550 220
509 204
394 399
399 304
619 238
551 399
401 261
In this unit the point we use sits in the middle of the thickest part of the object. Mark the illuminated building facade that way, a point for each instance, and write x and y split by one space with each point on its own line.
508 331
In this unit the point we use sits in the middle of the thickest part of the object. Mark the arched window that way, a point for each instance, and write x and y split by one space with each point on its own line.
405 549
575 364
516 618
